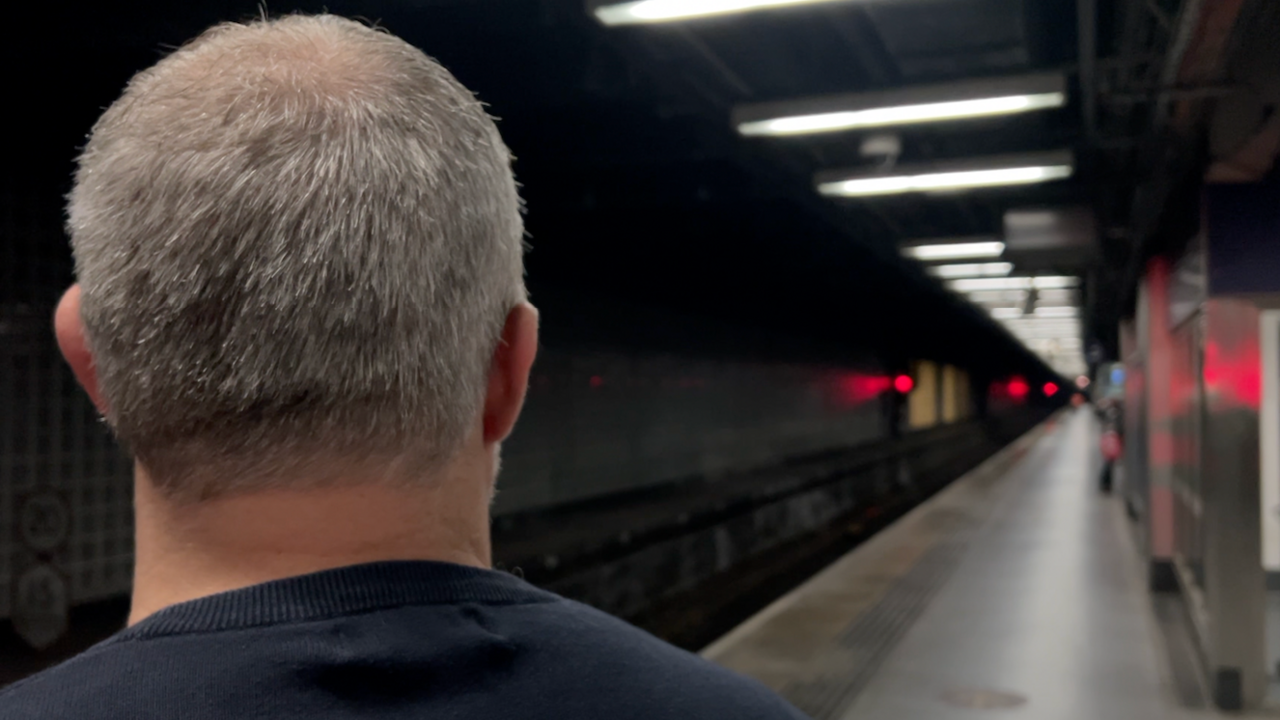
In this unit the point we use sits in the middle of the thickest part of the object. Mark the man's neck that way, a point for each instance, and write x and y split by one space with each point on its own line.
190 551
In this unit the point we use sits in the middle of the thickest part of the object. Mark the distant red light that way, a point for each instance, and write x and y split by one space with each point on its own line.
1018 388
854 388
903 384
1050 389
596 381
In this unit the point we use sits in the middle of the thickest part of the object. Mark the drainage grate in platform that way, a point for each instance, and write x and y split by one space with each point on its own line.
858 652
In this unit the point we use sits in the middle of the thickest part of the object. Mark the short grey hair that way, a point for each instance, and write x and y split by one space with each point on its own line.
297 241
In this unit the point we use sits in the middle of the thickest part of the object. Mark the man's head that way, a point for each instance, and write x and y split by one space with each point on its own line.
299 253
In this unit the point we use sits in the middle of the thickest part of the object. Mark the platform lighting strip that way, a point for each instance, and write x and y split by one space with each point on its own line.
1057 312
955 251
1045 333
1064 343
971 270
1043 282
659 11
1041 311
1065 296
1052 332
943 181
1032 322
998 296
902 115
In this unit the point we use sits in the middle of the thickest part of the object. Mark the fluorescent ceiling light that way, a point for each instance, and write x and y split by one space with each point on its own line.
989 172
1057 312
1030 219
1047 333
656 11
955 251
969 270
1066 344
934 182
1055 282
1013 283
912 104
1050 331
998 296
1035 321
902 115
1056 297
1038 321
1005 313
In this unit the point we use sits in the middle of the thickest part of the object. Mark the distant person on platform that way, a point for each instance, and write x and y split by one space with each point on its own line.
301 306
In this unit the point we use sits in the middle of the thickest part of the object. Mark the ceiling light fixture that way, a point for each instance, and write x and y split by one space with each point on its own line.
1066 296
1057 312
971 270
902 115
998 297
909 105
955 251
992 172
658 11
1055 282
1013 283
935 182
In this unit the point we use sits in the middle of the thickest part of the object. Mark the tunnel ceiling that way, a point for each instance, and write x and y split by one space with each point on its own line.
639 189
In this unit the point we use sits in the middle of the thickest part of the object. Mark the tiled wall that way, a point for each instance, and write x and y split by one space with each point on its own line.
55 451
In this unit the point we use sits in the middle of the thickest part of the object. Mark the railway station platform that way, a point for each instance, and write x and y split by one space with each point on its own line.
1017 591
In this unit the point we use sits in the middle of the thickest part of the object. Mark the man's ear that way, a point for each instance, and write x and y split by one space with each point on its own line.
69 329
509 372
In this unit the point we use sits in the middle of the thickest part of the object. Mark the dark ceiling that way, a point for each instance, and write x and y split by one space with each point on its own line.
638 189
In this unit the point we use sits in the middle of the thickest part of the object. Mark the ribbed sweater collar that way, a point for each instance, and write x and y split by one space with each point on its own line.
334 593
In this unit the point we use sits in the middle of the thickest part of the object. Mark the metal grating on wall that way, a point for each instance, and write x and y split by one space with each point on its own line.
65 488
66 513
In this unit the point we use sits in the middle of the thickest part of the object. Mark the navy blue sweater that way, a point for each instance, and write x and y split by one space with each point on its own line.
387 640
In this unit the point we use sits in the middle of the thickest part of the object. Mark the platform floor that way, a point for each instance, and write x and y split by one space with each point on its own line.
1017 592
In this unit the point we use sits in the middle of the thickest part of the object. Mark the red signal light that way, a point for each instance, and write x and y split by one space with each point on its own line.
903 384
1018 388
1050 389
